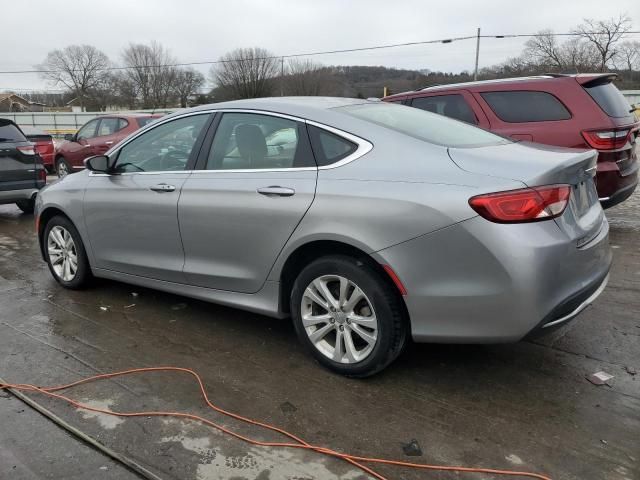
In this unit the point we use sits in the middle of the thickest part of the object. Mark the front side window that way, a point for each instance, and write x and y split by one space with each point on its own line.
88 131
452 106
167 147
108 126
255 141
526 106
419 124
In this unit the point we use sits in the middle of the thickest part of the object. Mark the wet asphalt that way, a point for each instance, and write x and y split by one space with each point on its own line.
526 406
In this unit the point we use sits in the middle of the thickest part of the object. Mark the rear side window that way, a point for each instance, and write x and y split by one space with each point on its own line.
9 133
329 148
610 100
526 106
452 106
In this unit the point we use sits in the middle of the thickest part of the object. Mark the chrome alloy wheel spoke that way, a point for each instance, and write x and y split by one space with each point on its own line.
339 319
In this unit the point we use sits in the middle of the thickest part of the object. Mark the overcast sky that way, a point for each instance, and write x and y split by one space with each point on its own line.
201 30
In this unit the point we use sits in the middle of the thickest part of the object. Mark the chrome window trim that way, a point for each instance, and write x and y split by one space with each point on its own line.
363 146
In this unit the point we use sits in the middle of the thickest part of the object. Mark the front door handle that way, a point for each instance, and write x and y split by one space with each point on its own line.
276 191
163 187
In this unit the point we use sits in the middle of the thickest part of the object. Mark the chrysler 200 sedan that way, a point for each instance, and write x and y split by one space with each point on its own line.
368 223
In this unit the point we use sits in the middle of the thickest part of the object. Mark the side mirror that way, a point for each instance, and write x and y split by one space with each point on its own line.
99 163
70 137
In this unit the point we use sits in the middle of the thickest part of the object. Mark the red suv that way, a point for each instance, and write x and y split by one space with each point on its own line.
95 138
579 111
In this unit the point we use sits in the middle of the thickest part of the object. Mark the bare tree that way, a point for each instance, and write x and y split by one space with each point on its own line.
188 82
629 56
151 72
544 53
76 67
604 35
543 49
305 77
246 73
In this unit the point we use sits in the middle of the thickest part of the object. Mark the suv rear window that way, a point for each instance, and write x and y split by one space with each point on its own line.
452 106
609 98
526 106
9 133
436 129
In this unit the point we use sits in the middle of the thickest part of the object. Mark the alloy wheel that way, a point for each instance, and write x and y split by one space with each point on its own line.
339 319
63 255
63 171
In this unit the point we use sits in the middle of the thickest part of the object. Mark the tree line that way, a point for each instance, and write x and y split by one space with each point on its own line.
147 76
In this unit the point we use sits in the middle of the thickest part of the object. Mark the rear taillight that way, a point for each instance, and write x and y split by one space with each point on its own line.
523 205
42 174
27 150
606 139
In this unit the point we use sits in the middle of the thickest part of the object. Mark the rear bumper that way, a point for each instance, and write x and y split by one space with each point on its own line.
615 186
571 307
12 196
480 282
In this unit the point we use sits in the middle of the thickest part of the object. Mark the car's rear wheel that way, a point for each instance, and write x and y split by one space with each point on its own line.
26 205
62 167
65 253
348 316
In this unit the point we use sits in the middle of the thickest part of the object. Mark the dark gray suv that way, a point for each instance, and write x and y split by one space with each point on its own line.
22 173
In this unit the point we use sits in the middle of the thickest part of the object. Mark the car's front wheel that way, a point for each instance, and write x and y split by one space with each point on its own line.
350 318
62 167
65 253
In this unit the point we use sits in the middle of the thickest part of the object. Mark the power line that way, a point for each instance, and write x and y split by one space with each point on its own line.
324 52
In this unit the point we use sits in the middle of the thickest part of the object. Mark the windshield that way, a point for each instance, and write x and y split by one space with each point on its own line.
423 125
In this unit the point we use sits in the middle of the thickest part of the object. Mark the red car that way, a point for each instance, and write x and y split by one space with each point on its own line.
95 138
43 145
579 111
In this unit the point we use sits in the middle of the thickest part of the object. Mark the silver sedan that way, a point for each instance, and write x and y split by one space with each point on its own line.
368 223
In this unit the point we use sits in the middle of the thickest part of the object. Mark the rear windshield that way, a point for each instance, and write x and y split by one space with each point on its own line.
9 133
423 125
610 99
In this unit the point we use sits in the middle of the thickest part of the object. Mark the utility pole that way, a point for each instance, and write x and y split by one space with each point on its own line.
282 77
475 72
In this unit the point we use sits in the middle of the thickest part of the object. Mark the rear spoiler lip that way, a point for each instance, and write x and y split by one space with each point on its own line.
591 80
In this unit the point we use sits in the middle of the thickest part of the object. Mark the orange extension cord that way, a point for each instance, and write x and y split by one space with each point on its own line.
352 459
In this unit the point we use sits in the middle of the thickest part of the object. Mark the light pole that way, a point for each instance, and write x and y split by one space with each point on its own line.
475 72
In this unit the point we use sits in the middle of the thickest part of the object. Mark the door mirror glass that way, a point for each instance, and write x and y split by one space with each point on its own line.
70 137
99 163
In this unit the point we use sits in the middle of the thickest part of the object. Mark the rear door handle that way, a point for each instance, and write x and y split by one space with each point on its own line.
276 191
108 143
163 187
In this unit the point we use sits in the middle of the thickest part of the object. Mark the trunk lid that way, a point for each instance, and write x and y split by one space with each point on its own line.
538 165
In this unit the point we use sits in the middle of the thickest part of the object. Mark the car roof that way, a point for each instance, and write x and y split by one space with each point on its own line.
304 107
581 77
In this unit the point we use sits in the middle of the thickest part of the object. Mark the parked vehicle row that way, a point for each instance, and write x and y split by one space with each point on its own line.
22 173
577 111
366 222
95 138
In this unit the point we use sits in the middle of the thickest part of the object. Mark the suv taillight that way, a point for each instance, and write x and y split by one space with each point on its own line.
523 205
43 175
27 150
606 139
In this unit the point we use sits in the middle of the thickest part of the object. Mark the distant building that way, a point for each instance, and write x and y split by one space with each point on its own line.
10 102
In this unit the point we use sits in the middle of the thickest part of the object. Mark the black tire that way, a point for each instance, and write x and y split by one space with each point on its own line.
386 302
61 166
83 275
26 205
